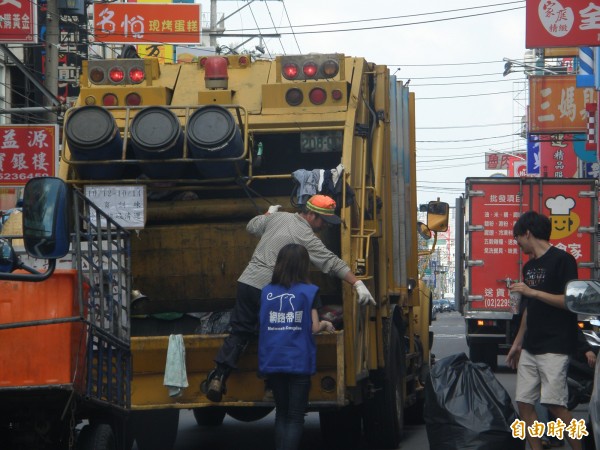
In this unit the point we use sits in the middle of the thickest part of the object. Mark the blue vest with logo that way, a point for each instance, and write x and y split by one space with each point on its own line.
286 343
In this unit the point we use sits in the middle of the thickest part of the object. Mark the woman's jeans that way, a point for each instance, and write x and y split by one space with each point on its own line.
291 398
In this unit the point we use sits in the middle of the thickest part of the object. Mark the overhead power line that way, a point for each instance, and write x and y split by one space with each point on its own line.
406 16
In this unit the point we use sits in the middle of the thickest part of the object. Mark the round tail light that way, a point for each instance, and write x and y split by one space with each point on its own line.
290 71
310 69
336 94
116 75
136 75
110 100
294 97
133 99
96 75
243 61
330 68
317 96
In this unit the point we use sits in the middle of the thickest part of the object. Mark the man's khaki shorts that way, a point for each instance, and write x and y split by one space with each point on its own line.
542 377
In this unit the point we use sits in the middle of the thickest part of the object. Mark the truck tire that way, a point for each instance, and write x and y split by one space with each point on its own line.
96 436
341 429
155 429
209 417
249 413
384 412
415 413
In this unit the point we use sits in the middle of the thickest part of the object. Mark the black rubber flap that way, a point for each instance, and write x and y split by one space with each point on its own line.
211 128
90 127
155 129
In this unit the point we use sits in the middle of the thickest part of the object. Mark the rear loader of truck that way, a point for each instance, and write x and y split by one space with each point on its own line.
213 144
490 259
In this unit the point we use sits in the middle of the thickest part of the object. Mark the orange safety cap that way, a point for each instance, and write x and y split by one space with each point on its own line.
325 207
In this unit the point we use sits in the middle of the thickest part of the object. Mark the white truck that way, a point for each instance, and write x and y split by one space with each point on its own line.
488 259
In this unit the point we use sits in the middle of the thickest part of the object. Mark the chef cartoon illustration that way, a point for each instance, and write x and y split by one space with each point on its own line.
564 221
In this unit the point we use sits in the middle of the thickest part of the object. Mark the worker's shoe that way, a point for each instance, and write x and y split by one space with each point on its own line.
269 396
216 389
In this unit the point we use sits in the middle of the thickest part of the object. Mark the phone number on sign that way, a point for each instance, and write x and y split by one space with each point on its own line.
20 176
496 303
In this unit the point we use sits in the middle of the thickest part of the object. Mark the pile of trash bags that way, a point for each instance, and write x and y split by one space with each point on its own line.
466 408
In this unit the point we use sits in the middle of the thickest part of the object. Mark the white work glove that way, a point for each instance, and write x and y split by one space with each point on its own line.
364 296
273 209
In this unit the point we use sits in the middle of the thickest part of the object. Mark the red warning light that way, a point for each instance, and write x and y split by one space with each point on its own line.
290 71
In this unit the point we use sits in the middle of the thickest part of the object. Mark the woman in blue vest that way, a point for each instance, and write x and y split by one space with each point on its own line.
287 353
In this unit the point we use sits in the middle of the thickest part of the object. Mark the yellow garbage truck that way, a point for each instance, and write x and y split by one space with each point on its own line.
184 155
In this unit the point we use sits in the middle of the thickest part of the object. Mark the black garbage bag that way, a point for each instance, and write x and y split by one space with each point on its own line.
466 408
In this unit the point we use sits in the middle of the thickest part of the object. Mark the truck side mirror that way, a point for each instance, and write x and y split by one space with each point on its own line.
45 218
583 296
437 216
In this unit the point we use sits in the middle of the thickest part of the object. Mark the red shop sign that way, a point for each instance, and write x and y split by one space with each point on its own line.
144 23
562 23
27 151
18 22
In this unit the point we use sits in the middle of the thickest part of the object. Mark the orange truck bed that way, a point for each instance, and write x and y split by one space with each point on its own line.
37 355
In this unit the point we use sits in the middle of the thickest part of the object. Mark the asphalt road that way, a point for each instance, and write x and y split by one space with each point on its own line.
449 339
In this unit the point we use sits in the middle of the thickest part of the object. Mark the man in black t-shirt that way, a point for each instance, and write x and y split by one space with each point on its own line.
548 332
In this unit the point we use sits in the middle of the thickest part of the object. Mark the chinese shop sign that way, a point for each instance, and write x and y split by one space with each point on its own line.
517 167
562 23
27 151
557 105
145 23
496 161
557 157
18 22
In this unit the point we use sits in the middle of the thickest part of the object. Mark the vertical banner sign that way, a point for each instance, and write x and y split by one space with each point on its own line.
533 155
145 23
557 156
591 170
27 151
561 23
18 22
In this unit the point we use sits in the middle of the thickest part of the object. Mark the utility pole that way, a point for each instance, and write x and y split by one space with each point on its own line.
213 23
217 27
52 44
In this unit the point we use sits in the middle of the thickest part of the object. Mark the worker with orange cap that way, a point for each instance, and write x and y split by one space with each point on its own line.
277 229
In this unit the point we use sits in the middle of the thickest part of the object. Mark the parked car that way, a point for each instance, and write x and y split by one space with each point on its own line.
445 306
583 297
437 306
